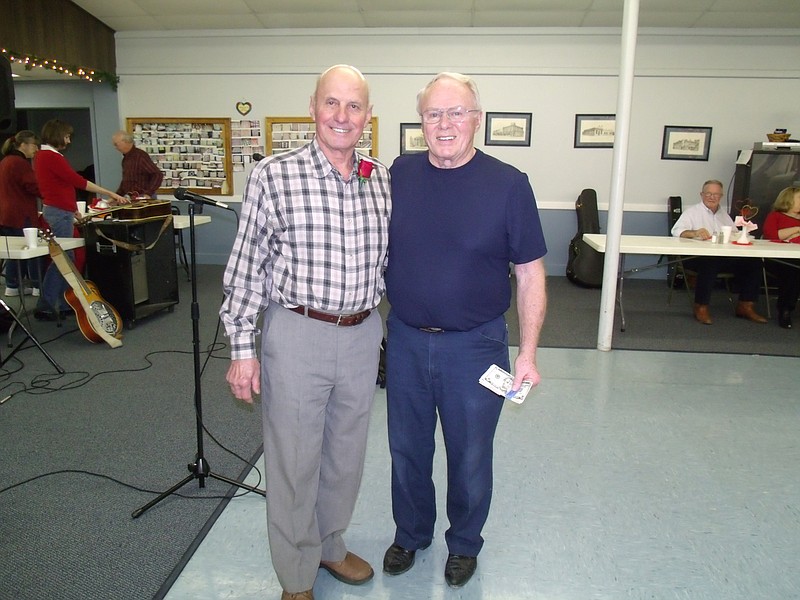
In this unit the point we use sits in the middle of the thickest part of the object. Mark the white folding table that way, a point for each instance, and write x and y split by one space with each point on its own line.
686 248
14 248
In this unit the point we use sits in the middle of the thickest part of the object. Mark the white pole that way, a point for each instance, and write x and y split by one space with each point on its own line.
630 24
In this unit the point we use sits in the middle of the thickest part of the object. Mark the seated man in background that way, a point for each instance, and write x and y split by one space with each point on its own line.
699 222
783 225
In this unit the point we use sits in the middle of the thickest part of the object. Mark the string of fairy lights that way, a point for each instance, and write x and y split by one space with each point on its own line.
31 62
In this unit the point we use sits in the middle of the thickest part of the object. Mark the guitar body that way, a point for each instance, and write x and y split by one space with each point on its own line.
97 319
135 211
144 209
105 315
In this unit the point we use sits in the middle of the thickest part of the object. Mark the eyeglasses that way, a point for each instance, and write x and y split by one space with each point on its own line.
710 195
456 114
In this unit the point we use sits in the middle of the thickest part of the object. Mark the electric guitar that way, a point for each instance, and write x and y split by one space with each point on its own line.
97 319
135 211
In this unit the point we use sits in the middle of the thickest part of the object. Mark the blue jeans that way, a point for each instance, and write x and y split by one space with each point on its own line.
54 285
430 373
16 268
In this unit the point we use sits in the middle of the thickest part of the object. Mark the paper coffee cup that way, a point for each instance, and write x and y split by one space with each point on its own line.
726 234
31 236
82 207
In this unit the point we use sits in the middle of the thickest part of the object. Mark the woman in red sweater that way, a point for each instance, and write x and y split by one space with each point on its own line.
58 182
783 225
19 205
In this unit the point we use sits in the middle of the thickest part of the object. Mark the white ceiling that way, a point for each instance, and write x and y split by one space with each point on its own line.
137 15
163 15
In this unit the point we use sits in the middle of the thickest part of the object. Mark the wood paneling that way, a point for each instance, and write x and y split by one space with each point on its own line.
57 29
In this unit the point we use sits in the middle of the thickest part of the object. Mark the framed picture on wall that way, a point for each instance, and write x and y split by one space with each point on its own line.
595 131
508 129
685 143
411 139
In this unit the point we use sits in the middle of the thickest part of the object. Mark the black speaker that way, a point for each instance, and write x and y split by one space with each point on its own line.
8 119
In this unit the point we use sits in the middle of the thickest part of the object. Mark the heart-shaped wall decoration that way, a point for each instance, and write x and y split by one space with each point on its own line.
748 212
243 108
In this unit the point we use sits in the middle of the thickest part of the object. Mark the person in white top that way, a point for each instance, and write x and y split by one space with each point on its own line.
700 222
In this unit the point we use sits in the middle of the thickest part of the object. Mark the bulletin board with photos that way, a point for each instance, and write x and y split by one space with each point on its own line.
245 142
192 152
288 133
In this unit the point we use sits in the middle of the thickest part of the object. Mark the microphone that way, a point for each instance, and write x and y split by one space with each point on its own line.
184 194
257 157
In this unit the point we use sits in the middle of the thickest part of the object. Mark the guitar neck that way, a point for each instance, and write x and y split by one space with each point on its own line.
66 267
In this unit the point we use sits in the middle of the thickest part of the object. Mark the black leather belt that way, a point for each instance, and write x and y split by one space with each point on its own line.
340 320
431 329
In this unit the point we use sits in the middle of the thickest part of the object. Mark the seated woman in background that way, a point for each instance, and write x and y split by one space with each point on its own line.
783 224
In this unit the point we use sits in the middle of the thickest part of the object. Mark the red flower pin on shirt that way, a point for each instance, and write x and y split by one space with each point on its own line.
364 171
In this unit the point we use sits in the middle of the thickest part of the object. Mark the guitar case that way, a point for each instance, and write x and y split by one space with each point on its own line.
585 264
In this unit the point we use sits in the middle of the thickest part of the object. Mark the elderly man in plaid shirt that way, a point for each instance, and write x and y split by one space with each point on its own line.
309 255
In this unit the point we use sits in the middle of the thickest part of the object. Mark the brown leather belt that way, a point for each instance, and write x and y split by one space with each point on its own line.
340 320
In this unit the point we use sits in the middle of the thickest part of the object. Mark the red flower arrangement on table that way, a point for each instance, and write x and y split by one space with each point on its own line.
744 220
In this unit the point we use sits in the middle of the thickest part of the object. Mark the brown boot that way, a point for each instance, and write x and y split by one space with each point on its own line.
353 570
701 314
745 310
307 595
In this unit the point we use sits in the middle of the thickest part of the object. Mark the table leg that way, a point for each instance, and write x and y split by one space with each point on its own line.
620 281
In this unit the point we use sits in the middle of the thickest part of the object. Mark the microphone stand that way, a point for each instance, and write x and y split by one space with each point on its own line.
199 469
29 336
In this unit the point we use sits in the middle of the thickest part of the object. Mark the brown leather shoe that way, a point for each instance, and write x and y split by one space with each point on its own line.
307 595
353 570
701 314
745 310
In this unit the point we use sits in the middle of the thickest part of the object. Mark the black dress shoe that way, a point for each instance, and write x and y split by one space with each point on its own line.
398 560
459 569
785 319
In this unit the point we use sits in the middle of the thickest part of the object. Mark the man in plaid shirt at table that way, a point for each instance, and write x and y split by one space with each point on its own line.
309 255
141 178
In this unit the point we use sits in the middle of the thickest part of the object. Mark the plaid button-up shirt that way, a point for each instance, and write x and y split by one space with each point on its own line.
307 238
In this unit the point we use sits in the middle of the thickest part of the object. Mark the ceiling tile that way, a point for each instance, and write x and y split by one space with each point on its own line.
339 19
116 8
194 8
413 5
532 5
295 6
748 20
522 18
418 18
145 23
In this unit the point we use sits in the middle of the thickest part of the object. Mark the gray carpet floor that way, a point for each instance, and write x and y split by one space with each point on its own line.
652 323
118 419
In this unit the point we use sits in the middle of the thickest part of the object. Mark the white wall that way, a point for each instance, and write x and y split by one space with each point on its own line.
742 84
730 81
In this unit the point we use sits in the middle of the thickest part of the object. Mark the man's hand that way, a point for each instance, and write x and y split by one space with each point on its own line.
525 370
244 377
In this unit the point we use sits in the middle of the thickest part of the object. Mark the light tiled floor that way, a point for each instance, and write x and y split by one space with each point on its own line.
625 475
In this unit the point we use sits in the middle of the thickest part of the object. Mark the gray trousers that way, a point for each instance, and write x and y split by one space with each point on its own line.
318 384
